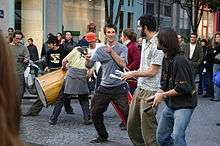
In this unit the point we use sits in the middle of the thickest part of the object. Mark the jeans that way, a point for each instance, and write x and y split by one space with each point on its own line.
216 68
172 126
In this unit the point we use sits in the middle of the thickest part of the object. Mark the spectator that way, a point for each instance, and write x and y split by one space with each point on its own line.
69 44
21 55
9 100
216 67
32 50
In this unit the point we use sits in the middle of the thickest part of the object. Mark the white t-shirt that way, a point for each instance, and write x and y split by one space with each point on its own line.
191 51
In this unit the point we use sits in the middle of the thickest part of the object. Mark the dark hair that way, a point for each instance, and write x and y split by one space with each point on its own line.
17 32
30 39
10 29
52 40
205 41
130 34
149 21
109 25
60 34
167 39
194 34
9 100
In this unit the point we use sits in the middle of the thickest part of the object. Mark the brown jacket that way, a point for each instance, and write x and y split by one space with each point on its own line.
197 57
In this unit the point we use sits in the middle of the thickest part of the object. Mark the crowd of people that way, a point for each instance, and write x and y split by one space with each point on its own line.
164 68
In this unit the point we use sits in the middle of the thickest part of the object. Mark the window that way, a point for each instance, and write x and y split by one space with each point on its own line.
167 11
130 20
150 8
130 2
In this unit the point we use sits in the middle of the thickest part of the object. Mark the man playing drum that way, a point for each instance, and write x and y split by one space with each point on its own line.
76 81
54 59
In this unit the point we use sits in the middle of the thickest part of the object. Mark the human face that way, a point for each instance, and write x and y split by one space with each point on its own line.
68 36
110 35
59 37
123 37
30 42
193 39
17 39
180 40
92 45
217 38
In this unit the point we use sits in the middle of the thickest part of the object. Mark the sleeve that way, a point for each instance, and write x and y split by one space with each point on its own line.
47 57
183 77
26 53
124 54
157 56
162 79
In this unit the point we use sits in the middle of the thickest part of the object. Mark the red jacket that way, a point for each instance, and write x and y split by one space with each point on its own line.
134 57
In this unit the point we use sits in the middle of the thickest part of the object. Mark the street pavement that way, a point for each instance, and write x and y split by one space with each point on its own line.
70 131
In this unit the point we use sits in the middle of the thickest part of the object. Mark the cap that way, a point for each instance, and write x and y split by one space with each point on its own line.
90 37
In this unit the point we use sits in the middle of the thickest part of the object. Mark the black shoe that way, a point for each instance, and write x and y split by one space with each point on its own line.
29 114
70 112
87 122
215 100
217 124
99 140
51 122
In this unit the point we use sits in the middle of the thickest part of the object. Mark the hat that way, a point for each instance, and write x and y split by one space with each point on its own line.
90 37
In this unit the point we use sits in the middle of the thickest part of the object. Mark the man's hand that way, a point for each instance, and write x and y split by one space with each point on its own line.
127 75
158 99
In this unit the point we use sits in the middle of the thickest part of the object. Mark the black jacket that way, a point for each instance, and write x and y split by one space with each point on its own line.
33 52
177 74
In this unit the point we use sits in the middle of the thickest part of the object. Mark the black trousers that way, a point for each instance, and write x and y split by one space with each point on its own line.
100 102
83 100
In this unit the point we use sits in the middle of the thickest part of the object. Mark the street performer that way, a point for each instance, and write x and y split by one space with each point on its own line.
75 82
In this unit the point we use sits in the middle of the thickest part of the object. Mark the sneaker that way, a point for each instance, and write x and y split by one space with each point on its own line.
29 114
99 140
215 100
70 112
217 124
87 122
51 122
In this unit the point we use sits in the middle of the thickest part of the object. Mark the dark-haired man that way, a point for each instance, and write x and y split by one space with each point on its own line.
22 56
112 56
142 125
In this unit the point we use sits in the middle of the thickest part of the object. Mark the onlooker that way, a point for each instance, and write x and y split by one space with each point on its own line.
10 34
178 91
194 53
112 56
181 42
128 38
216 66
45 46
142 126
69 44
21 55
9 101
59 39
32 50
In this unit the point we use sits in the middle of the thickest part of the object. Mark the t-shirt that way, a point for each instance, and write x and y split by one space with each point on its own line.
54 58
108 65
20 52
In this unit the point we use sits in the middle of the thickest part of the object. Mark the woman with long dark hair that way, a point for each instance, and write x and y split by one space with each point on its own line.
9 99
178 91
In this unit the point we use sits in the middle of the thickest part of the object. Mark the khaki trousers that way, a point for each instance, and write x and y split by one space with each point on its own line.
142 125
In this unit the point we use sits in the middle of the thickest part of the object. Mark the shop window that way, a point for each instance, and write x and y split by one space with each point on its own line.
130 20
167 11
150 8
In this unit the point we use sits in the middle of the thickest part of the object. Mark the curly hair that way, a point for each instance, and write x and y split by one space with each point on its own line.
9 100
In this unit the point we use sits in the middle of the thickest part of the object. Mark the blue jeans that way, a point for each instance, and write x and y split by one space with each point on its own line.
172 126
216 68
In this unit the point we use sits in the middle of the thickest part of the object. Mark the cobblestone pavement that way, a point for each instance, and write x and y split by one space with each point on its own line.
70 131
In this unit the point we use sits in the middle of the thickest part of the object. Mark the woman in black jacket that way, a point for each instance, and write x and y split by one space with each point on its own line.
178 91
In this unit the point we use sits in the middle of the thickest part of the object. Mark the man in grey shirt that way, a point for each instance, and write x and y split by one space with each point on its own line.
112 56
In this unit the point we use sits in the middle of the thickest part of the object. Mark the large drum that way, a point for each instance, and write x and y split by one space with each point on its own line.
49 85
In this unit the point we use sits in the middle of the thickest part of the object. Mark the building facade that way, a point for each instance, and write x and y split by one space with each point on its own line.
37 18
